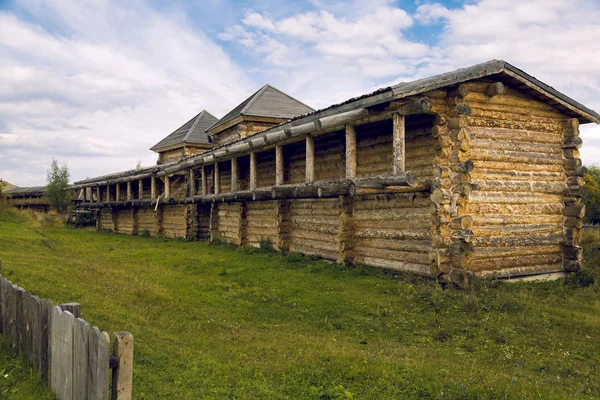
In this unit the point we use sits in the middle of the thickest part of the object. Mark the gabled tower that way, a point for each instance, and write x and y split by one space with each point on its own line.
265 108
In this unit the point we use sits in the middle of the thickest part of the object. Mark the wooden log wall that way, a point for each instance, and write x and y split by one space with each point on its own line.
261 223
127 221
393 231
519 175
147 221
230 220
105 220
174 221
294 160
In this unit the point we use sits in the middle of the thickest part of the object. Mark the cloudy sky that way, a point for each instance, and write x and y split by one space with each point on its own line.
96 83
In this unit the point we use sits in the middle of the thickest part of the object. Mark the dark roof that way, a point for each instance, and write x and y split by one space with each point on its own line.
192 132
27 191
266 102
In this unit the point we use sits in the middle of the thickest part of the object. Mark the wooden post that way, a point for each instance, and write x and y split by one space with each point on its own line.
203 177
107 193
167 187
123 373
350 151
118 192
398 144
310 159
153 187
140 189
98 194
192 182
234 175
129 193
252 170
217 179
279 165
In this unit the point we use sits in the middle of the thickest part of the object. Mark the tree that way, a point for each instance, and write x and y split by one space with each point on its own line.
58 181
591 195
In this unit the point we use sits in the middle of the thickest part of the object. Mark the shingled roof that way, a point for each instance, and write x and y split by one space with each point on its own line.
268 101
31 191
192 132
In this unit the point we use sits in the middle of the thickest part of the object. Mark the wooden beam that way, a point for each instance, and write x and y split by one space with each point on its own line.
350 151
419 106
398 144
118 192
234 174
310 159
153 187
217 179
123 373
192 179
494 89
129 191
107 192
140 189
252 170
203 178
279 165
98 193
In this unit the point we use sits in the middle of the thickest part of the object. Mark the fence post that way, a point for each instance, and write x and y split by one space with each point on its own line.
123 373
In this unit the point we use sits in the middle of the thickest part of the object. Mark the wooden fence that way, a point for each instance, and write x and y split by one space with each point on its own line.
72 357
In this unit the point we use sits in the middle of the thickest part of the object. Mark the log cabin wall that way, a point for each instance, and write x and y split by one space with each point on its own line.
147 221
127 221
105 220
174 221
519 175
170 156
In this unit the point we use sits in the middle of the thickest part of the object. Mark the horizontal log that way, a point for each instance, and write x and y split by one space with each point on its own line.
419 106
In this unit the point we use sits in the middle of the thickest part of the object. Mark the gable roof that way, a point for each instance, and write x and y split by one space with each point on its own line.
192 132
268 101
30 191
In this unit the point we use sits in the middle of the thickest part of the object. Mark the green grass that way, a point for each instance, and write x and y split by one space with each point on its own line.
212 321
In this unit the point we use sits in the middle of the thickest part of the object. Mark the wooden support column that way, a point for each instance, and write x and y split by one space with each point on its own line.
107 192
203 177
98 194
153 187
278 165
350 152
398 144
192 185
140 189
118 192
234 175
252 170
167 187
129 196
310 159
217 179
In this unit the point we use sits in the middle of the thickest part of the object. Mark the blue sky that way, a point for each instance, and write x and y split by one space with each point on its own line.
96 83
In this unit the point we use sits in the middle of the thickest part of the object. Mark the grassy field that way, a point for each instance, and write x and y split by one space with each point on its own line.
212 321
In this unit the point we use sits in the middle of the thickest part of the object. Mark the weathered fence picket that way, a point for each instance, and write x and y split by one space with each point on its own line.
72 357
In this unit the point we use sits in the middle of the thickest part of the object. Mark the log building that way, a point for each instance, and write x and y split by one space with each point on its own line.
470 173
32 198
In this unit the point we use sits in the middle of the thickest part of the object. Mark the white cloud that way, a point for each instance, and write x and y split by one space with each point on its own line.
114 81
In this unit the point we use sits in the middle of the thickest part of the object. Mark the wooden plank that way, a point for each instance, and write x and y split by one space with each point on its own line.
55 343
123 373
26 329
46 348
99 360
398 143
36 333
19 320
65 356
2 305
81 334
